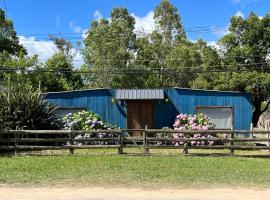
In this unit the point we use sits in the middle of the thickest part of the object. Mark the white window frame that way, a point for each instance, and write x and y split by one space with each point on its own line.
216 107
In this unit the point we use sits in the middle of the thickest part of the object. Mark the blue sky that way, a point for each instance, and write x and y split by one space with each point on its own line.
34 19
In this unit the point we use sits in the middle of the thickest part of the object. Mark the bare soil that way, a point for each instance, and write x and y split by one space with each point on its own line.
98 193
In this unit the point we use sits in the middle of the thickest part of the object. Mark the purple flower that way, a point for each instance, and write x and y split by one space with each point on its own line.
72 124
88 122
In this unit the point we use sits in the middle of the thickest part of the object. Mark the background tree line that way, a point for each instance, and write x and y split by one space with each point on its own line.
117 56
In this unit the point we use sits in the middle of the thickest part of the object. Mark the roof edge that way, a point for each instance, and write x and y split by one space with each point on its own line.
82 90
228 91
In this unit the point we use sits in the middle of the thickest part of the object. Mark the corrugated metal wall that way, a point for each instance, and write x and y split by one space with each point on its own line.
99 101
180 101
186 100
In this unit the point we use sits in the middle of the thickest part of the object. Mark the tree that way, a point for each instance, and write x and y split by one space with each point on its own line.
168 22
150 57
182 63
245 56
247 47
13 57
109 48
18 70
58 73
209 61
156 49
9 41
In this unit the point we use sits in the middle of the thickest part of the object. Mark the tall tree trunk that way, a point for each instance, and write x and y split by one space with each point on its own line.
257 111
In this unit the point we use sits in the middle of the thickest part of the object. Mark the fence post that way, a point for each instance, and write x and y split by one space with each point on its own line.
232 143
268 135
121 142
251 129
71 137
145 148
16 140
185 150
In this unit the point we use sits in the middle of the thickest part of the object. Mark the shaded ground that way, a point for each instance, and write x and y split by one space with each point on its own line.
7 193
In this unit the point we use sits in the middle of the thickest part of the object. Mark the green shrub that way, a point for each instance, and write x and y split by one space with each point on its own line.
27 108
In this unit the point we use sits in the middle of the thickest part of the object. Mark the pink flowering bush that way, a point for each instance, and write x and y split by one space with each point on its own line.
193 122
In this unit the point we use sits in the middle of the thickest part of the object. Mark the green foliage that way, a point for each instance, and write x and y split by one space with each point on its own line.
109 46
53 79
21 64
179 61
58 73
169 22
245 47
9 41
161 58
24 107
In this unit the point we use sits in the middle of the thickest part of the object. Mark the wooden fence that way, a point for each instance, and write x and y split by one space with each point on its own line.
17 140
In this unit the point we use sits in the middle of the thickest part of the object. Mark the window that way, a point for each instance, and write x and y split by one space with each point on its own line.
62 111
222 117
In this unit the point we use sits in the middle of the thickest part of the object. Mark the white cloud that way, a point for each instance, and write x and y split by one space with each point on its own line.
214 44
84 33
45 49
146 23
97 15
75 28
239 14
220 31
78 59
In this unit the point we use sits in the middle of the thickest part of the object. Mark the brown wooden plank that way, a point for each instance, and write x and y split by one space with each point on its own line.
139 114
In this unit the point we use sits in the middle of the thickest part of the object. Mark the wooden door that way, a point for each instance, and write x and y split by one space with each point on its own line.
139 114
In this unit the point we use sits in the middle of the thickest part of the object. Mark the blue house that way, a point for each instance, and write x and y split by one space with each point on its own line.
157 108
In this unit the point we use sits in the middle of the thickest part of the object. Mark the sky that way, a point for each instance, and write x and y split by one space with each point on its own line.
70 19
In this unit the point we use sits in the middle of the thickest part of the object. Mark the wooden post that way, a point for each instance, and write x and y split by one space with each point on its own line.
232 143
268 135
185 150
121 142
16 140
71 136
251 129
146 150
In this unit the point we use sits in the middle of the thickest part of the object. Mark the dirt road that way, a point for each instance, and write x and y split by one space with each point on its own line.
7 193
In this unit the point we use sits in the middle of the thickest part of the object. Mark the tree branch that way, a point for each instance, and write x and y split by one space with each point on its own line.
266 107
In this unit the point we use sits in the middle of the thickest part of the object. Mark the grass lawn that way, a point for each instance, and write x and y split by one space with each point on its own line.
158 170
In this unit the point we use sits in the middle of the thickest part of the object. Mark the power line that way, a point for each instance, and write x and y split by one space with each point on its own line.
142 32
235 68
172 72
195 29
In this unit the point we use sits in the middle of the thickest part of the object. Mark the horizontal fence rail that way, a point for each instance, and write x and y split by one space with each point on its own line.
145 139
